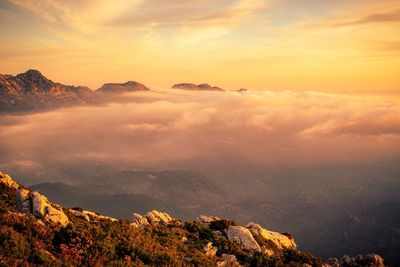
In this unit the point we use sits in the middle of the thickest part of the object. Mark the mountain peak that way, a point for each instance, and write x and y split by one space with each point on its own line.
129 86
32 74
34 77
31 90
199 87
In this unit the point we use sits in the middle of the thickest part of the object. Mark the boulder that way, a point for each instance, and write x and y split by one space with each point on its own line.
243 236
97 217
210 250
281 241
139 220
228 261
23 200
157 217
80 214
40 207
204 219
6 180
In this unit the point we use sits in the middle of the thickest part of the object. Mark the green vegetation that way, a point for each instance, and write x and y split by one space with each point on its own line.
27 241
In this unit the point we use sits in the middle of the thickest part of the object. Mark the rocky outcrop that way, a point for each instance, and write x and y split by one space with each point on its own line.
140 220
281 241
95 217
40 207
118 88
156 217
32 91
153 217
372 260
204 219
80 214
34 203
6 180
199 87
243 236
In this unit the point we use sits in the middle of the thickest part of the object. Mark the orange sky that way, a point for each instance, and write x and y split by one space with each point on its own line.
347 46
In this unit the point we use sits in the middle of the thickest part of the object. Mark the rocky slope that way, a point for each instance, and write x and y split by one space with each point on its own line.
33 91
35 231
199 87
130 86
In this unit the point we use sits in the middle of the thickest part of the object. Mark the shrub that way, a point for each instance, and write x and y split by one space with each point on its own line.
199 231
13 244
295 256
220 225
78 209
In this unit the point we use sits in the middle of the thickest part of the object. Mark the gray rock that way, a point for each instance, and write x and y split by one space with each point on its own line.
156 217
280 240
23 200
40 207
204 219
243 236
139 220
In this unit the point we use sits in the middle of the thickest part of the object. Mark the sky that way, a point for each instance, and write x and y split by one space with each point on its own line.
341 46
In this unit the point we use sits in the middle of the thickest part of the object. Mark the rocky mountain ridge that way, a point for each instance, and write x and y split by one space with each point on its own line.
77 238
198 87
31 91
129 86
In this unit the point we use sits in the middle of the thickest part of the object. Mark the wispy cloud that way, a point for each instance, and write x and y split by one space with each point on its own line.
84 16
372 18
192 21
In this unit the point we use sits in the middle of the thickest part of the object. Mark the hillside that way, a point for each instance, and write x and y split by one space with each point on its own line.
36 231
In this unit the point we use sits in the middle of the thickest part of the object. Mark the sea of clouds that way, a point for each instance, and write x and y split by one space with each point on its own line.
177 129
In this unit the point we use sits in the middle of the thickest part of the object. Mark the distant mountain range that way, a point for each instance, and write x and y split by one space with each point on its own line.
31 91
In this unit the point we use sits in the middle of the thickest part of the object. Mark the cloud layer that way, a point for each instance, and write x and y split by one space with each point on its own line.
203 130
